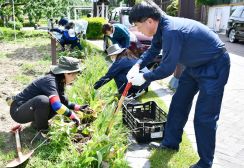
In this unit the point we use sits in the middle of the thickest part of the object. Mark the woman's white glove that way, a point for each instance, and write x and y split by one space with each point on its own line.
134 71
137 80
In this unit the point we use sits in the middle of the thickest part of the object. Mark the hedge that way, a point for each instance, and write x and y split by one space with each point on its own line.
94 29
18 25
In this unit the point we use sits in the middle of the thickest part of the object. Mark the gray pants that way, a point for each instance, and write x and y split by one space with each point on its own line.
37 109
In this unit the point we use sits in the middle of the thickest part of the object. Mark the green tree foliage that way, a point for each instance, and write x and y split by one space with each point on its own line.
213 2
172 9
206 2
35 9
45 9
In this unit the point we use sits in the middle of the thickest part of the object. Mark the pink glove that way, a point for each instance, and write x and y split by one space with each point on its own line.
74 118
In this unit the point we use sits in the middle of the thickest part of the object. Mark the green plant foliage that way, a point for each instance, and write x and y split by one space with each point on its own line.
8 34
1 22
18 25
28 24
173 8
213 2
44 9
99 149
94 30
206 2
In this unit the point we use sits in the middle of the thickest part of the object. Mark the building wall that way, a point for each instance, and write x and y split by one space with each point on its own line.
236 1
218 17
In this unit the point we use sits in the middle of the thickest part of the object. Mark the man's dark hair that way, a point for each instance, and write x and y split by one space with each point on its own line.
63 21
69 25
106 27
144 10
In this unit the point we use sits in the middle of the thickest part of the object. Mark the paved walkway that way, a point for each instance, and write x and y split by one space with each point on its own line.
230 134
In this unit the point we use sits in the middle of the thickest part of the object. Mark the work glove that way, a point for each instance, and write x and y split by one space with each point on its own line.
137 80
83 107
86 109
134 71
74 118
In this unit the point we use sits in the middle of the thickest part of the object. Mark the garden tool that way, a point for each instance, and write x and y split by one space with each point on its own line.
21 157
121 100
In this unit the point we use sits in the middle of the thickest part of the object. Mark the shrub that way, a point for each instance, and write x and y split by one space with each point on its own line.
1 22
94 30
172 9
18 25
28 24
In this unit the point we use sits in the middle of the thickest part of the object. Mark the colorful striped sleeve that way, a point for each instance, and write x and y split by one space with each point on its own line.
74 106
58 107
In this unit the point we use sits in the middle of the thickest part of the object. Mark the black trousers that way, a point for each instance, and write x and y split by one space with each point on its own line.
73 43
37 109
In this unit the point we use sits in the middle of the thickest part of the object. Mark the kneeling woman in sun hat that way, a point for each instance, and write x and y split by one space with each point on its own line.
123 60
44 97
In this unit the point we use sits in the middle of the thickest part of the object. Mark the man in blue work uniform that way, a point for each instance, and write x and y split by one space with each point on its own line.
207 66
118 33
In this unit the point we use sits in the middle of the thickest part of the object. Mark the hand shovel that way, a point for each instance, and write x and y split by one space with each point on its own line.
121 100
21 157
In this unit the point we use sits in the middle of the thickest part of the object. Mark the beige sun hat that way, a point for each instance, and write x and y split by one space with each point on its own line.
66 65
114 49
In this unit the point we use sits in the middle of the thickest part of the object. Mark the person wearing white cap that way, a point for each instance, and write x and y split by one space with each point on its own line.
123 60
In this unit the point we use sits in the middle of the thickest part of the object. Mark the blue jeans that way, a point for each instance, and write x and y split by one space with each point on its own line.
209 80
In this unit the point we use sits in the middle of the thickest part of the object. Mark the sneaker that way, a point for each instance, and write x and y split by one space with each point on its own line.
156 145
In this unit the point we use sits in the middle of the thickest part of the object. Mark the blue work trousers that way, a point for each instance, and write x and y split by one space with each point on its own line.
209 80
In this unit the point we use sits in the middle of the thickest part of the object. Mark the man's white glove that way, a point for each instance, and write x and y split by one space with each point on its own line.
137 80
134 71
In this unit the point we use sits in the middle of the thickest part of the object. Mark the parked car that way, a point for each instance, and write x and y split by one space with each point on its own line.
235 28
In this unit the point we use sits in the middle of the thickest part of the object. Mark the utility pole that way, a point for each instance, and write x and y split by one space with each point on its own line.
14 21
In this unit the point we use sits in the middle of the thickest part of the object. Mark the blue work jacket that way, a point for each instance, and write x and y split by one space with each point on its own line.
183 41
118 71
121 36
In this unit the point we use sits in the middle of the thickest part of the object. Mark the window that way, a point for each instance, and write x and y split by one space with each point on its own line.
237 12
242 15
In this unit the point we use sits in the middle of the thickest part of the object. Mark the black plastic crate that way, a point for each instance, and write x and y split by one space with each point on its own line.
146 121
